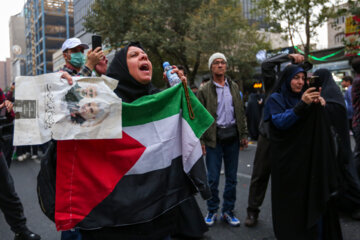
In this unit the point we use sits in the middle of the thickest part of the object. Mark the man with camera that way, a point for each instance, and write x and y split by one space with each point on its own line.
270 70
223 140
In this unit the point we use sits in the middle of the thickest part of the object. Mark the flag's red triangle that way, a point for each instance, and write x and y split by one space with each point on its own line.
87 172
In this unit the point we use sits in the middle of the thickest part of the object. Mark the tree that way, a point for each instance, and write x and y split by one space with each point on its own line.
298 15
182 32
352 7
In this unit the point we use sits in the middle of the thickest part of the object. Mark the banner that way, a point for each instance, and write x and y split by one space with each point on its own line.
47 107
352 36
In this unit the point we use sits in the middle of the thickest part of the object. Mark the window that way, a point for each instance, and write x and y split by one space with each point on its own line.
339 37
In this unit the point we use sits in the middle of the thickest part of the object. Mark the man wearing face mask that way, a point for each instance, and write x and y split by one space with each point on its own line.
73 53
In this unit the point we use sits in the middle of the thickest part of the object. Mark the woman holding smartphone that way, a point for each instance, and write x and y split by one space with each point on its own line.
303 164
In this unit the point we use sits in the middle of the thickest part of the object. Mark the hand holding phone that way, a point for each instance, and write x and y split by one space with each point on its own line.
96 41
314 81
94 57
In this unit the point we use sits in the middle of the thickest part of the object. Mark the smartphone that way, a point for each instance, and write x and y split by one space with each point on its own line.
95 41
314 81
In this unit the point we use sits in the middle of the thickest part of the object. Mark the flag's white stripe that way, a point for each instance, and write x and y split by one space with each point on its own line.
191 146
165 140
162 142
193 156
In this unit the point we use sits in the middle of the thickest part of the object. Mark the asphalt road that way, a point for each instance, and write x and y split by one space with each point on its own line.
25 173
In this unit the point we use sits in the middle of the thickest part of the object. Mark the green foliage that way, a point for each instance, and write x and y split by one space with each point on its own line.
352 7
299 15
182 32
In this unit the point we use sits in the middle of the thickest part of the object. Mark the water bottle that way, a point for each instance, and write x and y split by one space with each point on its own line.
172 77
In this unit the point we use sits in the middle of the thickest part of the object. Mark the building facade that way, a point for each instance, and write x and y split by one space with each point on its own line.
58 60
258 18
276 40
5 73
81 10
48 23
17 45
336 29
336 32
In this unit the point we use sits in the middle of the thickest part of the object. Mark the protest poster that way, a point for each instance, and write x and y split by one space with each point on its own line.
47 107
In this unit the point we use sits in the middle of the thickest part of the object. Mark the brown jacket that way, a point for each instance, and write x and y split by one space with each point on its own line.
208 97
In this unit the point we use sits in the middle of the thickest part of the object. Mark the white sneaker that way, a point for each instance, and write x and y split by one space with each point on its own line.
21 157
210 218
230 218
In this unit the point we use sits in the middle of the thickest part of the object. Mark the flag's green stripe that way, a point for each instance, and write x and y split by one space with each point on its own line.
203 118
165 104
152 107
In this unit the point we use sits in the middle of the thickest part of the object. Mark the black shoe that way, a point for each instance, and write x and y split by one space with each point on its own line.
251 220
27 235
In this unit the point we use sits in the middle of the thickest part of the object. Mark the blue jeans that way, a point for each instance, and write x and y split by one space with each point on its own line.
214 156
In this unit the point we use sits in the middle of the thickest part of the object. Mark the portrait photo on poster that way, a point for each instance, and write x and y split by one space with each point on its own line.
47 107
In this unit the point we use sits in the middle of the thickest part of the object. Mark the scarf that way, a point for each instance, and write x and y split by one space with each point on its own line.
128 89
284 98
329 90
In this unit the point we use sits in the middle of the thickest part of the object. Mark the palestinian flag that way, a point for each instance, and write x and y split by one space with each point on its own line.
115 182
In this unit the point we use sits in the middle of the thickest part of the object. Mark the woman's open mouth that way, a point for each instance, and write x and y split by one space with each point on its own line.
144 67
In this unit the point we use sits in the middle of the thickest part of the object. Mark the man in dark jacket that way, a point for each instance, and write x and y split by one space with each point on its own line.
224 138
261 169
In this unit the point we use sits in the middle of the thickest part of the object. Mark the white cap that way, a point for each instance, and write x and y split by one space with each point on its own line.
73 42
216 56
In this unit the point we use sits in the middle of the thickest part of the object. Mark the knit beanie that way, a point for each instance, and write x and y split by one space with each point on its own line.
215 56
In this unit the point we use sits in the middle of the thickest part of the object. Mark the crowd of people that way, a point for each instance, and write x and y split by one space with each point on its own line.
303 142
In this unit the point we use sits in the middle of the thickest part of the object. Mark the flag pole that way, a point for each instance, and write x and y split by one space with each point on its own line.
187 96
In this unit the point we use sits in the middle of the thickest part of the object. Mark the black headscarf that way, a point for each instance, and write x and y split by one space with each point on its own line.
287 75
329 90
349 197
303 169
283 97
128 89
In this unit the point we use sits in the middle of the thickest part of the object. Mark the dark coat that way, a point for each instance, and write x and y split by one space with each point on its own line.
253 114
335 108
304 170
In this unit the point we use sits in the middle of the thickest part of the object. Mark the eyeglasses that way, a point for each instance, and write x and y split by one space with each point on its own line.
219 62
296 77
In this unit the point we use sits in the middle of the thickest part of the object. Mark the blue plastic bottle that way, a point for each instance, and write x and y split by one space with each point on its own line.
172 77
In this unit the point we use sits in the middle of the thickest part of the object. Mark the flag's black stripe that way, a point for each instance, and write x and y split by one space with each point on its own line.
141 198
